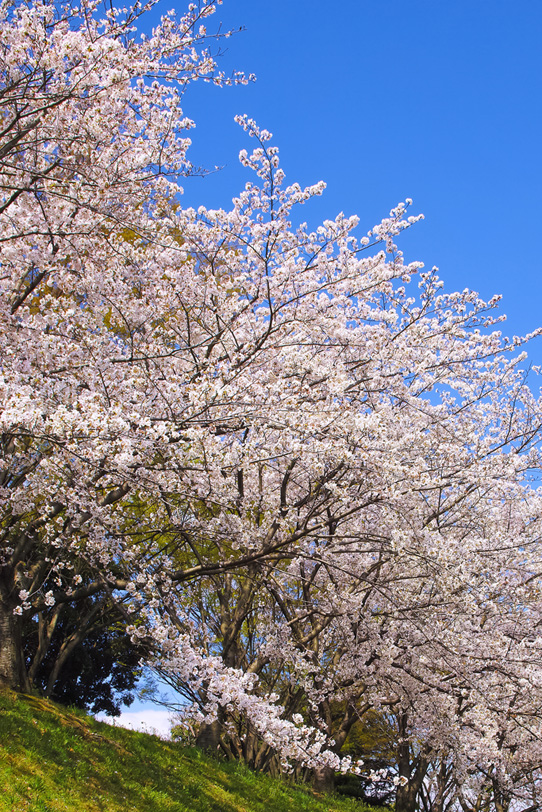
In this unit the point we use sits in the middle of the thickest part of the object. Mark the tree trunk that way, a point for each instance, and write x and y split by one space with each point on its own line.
208 737
12 671
45 633
442 779
500 798
323 779
407 795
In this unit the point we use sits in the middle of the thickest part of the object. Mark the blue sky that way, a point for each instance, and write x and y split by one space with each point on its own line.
387 99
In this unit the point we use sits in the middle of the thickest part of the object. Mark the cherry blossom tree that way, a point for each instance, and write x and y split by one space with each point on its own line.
295 418
92 138
398 528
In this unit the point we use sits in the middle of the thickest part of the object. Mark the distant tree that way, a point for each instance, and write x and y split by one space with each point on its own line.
91 664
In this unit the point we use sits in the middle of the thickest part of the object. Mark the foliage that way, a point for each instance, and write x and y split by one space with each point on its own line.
103 667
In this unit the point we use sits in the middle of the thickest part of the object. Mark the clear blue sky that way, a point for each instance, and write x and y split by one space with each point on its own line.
388 99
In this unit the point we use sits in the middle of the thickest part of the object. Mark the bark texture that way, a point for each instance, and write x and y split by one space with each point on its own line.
208 737
323 779
12 672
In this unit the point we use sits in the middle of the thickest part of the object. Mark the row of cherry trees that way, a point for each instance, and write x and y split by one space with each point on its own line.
303 474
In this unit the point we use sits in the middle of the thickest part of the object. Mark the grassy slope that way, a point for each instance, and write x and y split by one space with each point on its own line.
55 760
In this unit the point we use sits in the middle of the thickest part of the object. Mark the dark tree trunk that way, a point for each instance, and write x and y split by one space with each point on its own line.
500 798
406 799
442 780
323 779
414 773
12 670
208 737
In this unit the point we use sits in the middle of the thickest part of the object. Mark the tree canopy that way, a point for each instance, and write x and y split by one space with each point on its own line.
302 472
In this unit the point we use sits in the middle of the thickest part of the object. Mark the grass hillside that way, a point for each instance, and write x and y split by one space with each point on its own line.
56 760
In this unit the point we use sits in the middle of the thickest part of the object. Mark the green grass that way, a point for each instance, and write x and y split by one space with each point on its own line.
57 760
